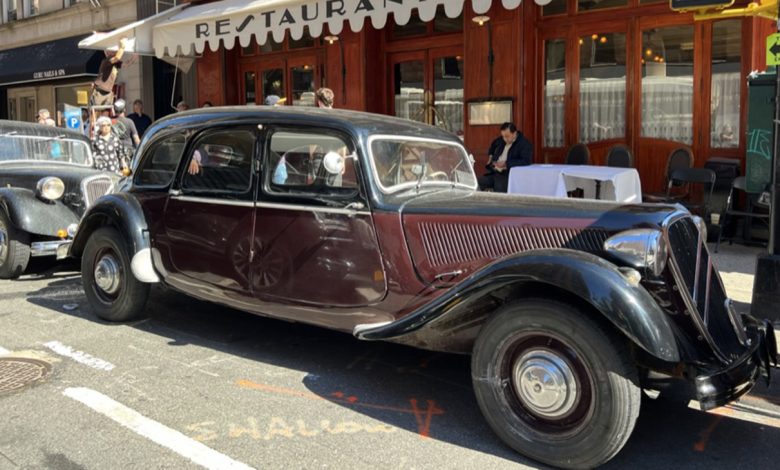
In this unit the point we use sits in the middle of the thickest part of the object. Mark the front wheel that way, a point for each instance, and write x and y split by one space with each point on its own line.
555 385
112 290
14 249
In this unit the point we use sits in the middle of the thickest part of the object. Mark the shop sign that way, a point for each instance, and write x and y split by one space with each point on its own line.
56 73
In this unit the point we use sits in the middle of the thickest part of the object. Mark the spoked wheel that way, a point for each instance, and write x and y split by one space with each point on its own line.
555 385
14 249
112 290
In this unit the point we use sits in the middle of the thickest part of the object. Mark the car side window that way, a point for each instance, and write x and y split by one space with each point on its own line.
220 161
311 162
159 166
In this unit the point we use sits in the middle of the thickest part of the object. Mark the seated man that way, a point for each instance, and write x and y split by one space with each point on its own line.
509 150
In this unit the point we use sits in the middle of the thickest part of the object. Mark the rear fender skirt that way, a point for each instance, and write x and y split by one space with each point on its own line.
122 211
33 215
629 308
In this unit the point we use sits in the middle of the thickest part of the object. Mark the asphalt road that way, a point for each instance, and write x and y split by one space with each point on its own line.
199 385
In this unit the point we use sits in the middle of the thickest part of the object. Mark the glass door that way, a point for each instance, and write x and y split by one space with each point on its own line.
303 79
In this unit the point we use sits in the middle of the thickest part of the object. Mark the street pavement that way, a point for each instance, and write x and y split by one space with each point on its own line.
197 385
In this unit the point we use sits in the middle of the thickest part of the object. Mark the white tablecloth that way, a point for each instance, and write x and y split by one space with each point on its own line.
617 184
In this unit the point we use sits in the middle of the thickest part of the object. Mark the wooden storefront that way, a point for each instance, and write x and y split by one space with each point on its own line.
611 72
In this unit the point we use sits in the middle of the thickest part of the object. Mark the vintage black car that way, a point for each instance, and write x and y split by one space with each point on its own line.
373 226
46 183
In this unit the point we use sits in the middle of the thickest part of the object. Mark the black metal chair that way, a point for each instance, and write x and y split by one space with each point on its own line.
578 154
730 211
620 156
687 177
679 158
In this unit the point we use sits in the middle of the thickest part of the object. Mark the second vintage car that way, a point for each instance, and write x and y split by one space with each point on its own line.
372 225
47 181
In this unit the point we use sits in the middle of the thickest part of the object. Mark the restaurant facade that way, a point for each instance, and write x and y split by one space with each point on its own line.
600 72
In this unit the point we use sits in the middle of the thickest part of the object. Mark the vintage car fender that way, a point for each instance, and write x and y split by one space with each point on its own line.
630 308
33 215
120 210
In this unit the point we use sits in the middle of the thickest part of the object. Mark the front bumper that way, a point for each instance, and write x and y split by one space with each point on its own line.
714 389
50 248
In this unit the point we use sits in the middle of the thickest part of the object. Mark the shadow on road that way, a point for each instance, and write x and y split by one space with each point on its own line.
418 391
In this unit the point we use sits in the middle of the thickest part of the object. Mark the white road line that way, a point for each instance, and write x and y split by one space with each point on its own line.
4 351
154 431
79 356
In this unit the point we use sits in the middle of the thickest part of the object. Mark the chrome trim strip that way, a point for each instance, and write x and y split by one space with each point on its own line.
85 182
707 291
697 273
271 205
47 248
364 327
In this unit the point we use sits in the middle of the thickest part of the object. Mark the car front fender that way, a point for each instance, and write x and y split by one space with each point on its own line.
123 212
33 215
589 278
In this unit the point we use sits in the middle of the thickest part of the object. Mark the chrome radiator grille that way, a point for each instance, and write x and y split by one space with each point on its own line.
450 243
702 288
94 187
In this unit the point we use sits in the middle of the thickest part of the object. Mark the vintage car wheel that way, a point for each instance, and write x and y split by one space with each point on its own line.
14 249
111 288
555 385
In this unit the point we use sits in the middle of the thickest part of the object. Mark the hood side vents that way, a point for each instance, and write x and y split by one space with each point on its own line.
447 244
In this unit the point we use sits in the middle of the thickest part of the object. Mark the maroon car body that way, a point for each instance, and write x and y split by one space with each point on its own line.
372 225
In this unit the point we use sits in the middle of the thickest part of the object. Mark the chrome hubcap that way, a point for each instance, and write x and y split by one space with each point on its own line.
107 275
3 243
545 383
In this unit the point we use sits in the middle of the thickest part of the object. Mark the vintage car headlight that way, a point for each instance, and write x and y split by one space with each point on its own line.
642 248
702 225
51 188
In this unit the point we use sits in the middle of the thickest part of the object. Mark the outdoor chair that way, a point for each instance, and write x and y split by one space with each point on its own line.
679 158
620 156
686 177
578 154
730 211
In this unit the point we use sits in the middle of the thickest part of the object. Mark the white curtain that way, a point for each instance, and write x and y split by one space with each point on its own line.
725 109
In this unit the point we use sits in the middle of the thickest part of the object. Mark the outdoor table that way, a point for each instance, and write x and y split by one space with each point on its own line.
597 182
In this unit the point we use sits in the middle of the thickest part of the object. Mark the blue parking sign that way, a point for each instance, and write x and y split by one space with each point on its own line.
72 117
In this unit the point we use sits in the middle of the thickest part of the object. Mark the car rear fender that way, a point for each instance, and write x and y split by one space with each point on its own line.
123 212
33 215
450 322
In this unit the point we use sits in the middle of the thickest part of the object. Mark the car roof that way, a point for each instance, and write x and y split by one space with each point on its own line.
38 130
357 122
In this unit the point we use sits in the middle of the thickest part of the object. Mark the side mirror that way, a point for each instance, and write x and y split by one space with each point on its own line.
334 163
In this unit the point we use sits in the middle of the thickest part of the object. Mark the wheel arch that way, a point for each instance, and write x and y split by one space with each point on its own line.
20 204
453 321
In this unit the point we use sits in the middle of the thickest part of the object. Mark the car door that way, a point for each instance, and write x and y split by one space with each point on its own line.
208 218
315 242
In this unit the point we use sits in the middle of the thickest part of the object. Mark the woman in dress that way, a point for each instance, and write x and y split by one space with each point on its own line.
107 148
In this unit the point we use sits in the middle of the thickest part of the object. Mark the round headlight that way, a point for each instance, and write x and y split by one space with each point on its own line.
51 188
643 248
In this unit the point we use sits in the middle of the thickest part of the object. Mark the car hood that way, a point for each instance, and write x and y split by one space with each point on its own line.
451 234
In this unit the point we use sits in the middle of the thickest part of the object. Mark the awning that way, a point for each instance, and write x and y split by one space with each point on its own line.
47 61
189 31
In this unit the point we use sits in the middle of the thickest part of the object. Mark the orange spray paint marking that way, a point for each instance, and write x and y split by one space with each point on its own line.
423 416
701 444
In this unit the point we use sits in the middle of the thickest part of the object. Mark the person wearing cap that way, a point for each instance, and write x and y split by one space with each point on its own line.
106 148
324 97
125 128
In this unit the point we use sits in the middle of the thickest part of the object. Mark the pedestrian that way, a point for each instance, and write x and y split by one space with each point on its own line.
124 128
44 117
141 120
509 150
324 97
182 106
106 148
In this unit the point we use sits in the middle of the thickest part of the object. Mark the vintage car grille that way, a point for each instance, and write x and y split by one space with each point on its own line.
447 244
94 187
702 289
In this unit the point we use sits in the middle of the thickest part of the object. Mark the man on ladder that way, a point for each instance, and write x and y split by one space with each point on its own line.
102 95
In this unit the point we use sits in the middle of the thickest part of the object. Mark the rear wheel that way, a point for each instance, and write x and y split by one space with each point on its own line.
14 249
555 385
112 290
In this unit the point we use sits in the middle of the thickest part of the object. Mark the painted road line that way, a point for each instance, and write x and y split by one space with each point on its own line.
154 431
79 356
4 351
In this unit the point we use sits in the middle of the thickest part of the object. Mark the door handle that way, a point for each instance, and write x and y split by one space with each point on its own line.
174 192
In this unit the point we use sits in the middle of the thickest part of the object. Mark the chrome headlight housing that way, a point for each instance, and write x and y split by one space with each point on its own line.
643 248
51 188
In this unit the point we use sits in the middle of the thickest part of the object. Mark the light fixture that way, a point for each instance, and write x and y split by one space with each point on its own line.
603 40
481 19
648 52
581 41
331 38
594 36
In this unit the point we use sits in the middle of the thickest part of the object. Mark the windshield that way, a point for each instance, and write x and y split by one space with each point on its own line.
15 147
406 162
